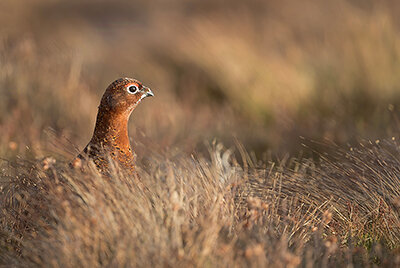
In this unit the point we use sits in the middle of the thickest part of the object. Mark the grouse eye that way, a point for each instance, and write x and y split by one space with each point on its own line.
133 89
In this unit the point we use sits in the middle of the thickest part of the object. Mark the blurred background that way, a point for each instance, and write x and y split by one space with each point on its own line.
265 73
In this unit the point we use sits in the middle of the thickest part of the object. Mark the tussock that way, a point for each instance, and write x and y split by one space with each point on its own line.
184 214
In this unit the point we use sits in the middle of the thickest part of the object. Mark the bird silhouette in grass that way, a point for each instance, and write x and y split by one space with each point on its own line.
110 139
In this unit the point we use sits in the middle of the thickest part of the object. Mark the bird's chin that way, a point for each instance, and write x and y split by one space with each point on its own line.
144 95
133 106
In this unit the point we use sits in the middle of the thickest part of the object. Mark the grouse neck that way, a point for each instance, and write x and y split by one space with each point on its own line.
112 129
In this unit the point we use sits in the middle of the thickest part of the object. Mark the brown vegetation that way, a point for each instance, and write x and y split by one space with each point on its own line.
264 73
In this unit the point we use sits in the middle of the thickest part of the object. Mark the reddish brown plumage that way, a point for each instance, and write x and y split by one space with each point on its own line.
110 138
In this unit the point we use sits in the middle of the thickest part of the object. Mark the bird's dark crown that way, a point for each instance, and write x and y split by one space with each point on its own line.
122 82
117 97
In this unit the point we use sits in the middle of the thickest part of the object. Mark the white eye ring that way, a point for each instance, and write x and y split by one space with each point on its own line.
132 89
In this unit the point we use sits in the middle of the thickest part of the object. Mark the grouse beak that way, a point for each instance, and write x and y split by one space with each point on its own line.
147 92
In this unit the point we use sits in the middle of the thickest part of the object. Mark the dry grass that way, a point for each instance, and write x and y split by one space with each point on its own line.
192 212
261 72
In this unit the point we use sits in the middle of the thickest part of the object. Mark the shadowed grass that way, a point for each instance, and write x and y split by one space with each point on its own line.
192 212
262 72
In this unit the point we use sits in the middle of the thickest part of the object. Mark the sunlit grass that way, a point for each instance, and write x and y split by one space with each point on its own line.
189 211
262 78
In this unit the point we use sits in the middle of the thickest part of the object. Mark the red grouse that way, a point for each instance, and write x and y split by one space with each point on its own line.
110 138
